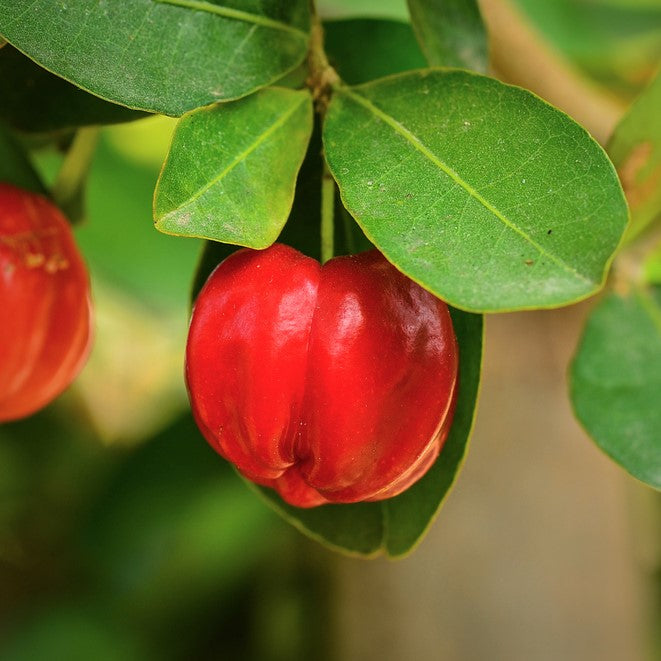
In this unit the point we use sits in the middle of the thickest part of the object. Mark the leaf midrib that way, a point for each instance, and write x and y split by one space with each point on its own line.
261 138
413 139
235 14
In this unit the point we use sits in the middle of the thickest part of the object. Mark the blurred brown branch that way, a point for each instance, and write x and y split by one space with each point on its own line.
519 55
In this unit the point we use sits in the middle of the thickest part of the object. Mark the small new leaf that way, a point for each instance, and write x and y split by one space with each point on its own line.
231 171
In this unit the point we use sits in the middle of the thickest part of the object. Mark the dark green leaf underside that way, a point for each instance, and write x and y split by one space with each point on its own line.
394 526
15 166
451 33
165 56
392 48
480 191
231 171
33 99
616 381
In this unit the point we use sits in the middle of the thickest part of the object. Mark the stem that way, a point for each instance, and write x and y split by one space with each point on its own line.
73 172
327 215
322 76
321 79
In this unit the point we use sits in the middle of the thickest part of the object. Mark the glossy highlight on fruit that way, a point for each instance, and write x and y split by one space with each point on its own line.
331 383
45 312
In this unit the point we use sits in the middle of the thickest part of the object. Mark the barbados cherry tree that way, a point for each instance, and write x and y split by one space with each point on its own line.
346 393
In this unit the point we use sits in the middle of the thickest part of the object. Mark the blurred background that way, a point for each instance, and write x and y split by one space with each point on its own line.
123 536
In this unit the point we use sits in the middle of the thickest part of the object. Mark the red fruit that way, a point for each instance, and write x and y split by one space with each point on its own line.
331 383
45 327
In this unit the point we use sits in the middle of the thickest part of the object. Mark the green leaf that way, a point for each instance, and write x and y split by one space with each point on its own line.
451 33
481 192
231 171
394 526
615 381
635 148
15 166
167 56
35 100
392 48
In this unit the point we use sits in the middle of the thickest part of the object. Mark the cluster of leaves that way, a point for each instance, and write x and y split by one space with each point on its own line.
482 192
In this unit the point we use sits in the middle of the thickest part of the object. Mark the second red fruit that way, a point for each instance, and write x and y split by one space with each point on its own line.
45 311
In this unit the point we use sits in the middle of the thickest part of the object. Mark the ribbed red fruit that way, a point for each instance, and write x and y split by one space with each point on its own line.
331 383
45 312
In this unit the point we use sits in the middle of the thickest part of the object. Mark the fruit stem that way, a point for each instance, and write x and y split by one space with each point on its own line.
69 184
321 77
327 215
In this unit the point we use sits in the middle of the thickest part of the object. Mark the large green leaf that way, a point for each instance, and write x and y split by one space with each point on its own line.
166 56
33 99
231 171
635 148
392 48
615 381
394 526
451 33
482 192
15 166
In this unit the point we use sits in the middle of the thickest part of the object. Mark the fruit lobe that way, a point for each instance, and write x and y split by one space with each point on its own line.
331 383
45 329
